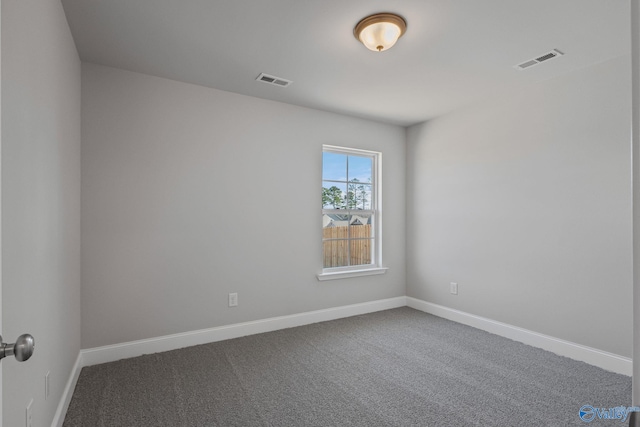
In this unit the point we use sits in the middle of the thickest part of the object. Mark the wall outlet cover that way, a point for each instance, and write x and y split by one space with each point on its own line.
453 288
233 300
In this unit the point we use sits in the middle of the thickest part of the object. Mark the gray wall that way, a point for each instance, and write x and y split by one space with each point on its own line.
525 201
190 193
40 203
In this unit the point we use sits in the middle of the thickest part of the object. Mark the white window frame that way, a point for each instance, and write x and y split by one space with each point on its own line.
376 211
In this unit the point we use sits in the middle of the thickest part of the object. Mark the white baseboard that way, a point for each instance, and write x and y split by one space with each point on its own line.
609 361
58 418
126 350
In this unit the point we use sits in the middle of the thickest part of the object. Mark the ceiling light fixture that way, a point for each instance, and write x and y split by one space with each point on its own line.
380 31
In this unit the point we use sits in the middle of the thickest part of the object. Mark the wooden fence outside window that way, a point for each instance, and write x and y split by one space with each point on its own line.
336 252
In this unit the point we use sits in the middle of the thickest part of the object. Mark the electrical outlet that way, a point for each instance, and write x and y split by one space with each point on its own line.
453 288
47 385
233 300
29 414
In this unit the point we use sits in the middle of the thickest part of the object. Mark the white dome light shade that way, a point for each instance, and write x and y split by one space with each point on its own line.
380 36
381 31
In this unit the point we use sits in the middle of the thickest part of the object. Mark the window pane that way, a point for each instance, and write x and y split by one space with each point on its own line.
335 226
360 168
361 251
359 196
334 166
360 226
336 253
333 195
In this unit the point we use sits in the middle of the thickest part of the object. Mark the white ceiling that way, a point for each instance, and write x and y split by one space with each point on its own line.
454 51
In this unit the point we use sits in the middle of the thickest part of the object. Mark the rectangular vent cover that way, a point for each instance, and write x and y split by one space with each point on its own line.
273 80
535 61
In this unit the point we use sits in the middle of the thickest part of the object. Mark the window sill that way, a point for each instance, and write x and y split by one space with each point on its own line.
351 273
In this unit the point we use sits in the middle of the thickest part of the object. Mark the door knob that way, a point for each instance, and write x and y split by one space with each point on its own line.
22 349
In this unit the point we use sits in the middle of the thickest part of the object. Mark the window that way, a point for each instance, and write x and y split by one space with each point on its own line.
350 213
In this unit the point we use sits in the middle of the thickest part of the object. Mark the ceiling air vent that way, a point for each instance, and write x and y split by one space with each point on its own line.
535 61
273 80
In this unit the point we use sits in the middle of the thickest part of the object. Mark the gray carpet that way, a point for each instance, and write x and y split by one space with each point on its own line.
398 367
